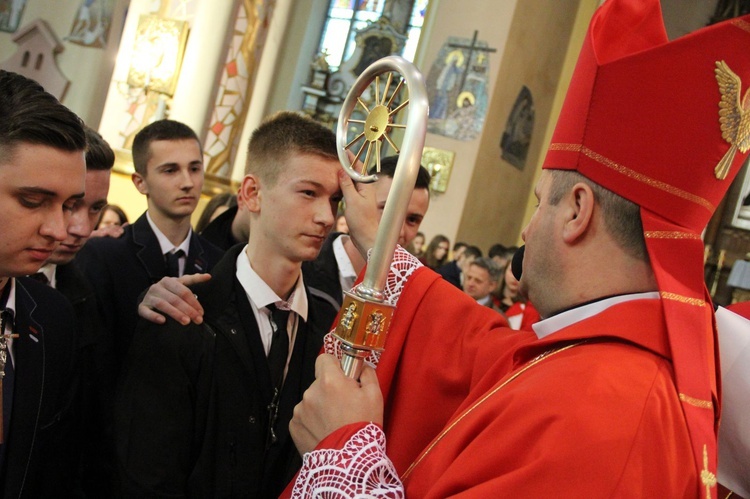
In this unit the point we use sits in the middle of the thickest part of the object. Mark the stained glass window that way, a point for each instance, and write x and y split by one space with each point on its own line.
345 17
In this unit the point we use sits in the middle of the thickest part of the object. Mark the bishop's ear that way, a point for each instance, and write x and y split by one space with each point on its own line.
580 211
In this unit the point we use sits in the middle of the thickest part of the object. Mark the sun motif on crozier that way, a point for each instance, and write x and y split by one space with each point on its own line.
379 124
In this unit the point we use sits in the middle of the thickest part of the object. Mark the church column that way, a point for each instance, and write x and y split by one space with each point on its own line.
204 55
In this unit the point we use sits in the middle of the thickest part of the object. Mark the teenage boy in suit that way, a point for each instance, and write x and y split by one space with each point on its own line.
332 272
203 409
62 272
168 163
42 171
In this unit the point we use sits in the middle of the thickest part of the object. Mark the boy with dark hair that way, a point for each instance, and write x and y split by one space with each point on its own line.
42 169
203 410
162 130
168 163
327 277
96 381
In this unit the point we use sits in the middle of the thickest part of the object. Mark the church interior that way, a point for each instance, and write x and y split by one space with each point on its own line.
496 72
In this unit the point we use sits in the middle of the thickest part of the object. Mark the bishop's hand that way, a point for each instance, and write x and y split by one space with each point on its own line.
333 401
362 215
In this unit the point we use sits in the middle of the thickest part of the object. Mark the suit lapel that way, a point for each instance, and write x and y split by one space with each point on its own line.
148 250
29 357
257 353
196 261
225 299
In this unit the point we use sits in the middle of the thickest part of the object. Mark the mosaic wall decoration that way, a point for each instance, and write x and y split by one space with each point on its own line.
233 97
457 88
92 22
10 14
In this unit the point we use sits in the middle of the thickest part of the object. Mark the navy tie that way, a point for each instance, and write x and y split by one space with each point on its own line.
279 351
173 263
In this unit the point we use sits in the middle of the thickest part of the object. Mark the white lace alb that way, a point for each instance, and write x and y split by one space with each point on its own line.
360 470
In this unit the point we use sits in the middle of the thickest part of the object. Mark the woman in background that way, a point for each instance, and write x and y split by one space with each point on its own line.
112 215
416 247
436 253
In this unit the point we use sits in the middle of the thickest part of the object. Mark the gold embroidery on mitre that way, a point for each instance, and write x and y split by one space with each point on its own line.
734 117
668 234
656 184
707 478
701 404
683 299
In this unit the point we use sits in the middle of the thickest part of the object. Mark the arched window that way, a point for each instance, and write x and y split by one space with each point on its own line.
346 17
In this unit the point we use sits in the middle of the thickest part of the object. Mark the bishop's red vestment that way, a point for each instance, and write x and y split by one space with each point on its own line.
474 408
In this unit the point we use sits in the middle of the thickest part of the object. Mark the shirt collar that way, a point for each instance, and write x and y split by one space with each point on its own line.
261 293
11 303
555 323
485 301
346 269
50 272
164 243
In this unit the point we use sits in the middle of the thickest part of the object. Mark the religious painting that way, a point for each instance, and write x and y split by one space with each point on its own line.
10 14
440 164
517 135
457 88
92 22
741 215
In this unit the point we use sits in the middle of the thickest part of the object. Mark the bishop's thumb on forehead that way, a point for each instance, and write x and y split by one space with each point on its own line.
516 265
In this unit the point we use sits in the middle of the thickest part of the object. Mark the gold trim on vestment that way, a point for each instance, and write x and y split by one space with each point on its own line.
657 184
671 234
708 479
479 402
683 299
701 404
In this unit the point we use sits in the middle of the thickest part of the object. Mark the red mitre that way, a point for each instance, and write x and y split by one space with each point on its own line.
642 119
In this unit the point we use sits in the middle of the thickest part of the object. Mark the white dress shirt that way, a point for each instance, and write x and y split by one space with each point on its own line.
260 295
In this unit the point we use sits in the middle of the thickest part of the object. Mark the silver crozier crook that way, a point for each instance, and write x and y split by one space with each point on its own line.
365 317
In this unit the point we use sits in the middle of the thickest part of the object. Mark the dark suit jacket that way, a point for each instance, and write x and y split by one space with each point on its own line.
451 273
37 452
192 413
121 269
95 404
219 231
322 279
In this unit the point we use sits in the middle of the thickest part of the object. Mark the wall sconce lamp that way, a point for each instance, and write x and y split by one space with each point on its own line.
440 164
157 54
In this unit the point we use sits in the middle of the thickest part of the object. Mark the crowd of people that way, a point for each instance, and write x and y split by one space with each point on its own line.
154 359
